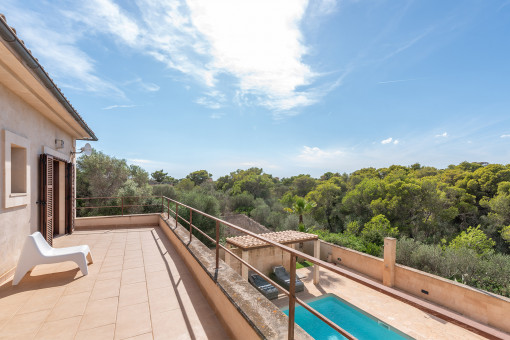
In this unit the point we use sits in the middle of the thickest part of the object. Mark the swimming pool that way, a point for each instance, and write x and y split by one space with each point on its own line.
355 321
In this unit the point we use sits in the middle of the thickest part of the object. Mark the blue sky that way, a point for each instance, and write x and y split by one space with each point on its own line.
289 86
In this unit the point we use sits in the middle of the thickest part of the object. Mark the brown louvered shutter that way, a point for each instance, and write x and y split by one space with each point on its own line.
70 194
46 197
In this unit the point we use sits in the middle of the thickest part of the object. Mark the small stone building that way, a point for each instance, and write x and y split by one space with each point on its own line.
264 256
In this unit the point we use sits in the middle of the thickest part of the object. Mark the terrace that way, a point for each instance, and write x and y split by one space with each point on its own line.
152 279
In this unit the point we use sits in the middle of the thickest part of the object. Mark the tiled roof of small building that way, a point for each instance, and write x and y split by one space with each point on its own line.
284 237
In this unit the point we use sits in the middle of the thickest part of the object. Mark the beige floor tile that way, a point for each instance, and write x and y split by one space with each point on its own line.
83 284
110 268
106 332
113 260
133 320
133 294
146 336
158 279
155 267
69 306
133 275
116 274
132 263
105 289
24 325
100 313
115 252
171 325
133 254
163 299
61 329
13 298
42 299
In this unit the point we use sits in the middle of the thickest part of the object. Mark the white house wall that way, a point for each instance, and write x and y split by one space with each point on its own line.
17 222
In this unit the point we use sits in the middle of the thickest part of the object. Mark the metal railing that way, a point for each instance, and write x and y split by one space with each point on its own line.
123 205
394 293
293 254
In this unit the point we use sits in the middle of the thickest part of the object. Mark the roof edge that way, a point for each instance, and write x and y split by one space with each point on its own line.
9 35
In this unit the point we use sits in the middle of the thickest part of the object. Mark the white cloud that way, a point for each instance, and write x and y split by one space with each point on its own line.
212 100
57 50
316 155
396 141
387 141
505 136
444 134
259 43
151 87
216 115
118 107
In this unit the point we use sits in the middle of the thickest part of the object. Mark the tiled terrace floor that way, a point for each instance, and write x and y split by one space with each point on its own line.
137 288
400 315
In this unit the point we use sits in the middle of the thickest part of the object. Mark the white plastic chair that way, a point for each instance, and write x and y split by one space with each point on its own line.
37 251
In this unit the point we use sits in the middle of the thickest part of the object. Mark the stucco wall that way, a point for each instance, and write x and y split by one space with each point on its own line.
18 222
262 258
487 308
484 307
116 221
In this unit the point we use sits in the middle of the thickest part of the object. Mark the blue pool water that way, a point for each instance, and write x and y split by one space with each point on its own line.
356 322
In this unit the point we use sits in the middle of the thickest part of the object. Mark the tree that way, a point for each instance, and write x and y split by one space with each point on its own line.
300 207
159 176
138 175
200 176
185 184
474 239
99 175
328 196
303 184
377 229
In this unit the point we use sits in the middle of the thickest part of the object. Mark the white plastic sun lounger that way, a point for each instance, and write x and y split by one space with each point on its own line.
37 251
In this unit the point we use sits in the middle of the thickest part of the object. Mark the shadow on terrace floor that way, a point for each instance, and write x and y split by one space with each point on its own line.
137 286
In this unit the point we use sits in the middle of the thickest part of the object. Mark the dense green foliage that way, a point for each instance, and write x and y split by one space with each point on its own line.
463 210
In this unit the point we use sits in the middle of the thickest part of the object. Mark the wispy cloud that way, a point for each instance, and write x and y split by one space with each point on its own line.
387 140
59 52
216 115
205 39
316 155
505 136
409 43
444 135
397 81
212 100
111 107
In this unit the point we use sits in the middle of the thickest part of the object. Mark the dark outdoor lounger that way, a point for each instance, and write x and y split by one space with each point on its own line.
267 289
283 278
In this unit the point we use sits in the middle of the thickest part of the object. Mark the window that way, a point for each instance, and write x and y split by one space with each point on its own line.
16 170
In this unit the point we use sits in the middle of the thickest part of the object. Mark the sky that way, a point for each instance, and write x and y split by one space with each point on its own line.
293 87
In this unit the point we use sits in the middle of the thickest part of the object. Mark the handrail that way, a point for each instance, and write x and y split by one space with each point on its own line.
392 292
122 206
292 253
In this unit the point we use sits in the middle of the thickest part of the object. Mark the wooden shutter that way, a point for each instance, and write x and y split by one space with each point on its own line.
70 194
46 197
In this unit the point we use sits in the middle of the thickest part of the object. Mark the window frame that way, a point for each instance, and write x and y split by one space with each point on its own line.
15 199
